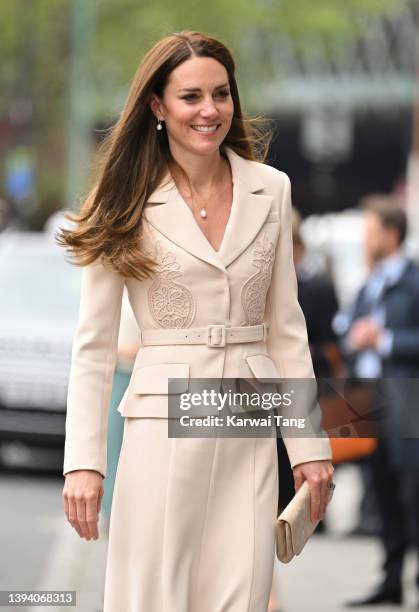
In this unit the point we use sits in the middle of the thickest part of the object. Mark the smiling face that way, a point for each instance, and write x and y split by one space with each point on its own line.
196 106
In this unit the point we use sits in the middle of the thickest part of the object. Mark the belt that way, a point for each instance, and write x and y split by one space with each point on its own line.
215 336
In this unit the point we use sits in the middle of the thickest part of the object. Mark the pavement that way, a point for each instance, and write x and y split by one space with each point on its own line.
333 569
41 551
330 570
75 565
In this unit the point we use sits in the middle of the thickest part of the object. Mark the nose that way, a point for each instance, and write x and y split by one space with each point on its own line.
209 109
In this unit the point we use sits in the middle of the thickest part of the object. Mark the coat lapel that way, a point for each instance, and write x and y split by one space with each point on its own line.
168 213
249 209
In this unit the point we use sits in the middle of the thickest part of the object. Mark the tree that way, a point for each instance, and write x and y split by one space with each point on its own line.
36 47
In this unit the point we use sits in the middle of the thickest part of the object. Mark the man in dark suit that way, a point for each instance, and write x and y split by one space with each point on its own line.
382 341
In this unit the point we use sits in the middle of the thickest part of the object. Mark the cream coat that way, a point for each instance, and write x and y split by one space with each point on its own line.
164 518
196 286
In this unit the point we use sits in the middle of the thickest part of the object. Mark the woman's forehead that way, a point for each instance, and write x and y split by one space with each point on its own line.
198 72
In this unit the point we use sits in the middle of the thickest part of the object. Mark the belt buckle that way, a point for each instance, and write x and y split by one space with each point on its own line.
216 336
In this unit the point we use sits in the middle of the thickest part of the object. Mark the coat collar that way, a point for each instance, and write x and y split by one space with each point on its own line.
174 219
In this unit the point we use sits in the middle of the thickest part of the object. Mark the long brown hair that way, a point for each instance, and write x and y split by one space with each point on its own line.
133 159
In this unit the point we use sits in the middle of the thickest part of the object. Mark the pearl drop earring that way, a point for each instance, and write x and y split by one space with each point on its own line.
159 125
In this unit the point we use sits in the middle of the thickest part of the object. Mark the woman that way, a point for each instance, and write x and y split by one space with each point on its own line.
199 231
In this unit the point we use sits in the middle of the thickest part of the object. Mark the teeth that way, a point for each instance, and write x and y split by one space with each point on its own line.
204 128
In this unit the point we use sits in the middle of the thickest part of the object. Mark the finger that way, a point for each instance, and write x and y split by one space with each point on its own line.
323 500
81 516
315 496
65 501
92 516
72 515
329 492
298 481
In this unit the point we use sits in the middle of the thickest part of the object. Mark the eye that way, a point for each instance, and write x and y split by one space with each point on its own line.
224 93
192 97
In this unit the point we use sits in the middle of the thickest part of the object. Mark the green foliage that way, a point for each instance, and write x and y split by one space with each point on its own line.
36 39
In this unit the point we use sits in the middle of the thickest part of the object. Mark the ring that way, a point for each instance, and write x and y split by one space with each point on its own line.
331 485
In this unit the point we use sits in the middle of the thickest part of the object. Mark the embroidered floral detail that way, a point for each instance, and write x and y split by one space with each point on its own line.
171 303
254 290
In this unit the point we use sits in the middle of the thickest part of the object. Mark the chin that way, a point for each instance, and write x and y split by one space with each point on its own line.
206 147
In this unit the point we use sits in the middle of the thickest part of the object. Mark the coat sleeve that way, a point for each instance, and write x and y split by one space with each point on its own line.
405 341
93 362
405 344
287 340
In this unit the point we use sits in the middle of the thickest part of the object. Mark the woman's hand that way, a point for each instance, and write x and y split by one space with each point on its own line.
82 494
318 474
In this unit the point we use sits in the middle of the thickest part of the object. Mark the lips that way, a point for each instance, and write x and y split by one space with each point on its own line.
206 129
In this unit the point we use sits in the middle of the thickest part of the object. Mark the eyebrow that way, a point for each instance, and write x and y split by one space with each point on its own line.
199 89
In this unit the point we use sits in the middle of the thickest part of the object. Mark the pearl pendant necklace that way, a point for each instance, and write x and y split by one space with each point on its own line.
203 213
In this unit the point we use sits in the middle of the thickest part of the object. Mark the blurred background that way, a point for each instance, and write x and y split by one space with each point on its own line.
339 81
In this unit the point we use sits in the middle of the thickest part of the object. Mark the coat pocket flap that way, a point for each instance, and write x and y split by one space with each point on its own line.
263 367
155 378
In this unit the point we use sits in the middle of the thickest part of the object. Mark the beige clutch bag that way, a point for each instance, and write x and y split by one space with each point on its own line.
294 526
